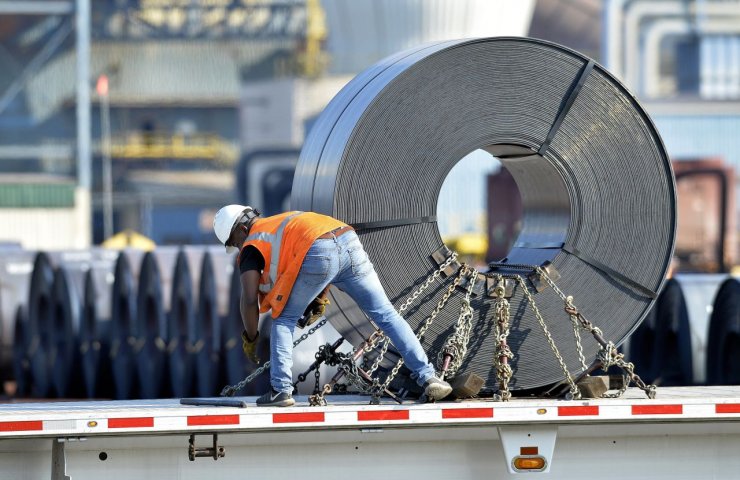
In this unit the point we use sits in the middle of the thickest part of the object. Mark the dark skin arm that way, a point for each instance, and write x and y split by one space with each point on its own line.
250 280
249 302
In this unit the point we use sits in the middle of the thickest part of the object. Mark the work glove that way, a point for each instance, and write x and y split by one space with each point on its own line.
315 310
250 347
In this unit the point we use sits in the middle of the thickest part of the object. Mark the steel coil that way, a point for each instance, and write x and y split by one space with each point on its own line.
40 321
212 308
16 267
21 365
64 354
123 325
184 343
95 332
723 342
596 184
152 306
661 345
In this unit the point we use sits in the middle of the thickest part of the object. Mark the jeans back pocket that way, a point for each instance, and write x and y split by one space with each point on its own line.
315 269
361 264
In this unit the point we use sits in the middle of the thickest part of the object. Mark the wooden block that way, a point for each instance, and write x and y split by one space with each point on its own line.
466 385
616 382
593 387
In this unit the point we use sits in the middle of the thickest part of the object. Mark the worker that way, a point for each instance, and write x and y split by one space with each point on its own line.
286 261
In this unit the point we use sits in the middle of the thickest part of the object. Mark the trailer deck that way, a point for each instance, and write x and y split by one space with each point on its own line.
694 430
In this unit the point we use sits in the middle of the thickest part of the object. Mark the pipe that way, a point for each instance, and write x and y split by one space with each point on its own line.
639 10
658 30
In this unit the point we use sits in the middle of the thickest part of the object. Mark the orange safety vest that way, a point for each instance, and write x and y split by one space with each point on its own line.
283 240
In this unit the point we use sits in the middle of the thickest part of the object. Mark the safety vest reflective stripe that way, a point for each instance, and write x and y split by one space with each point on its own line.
275 247
265 237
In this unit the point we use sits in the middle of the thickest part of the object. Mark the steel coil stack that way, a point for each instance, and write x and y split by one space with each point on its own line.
122 324
596 184
723 343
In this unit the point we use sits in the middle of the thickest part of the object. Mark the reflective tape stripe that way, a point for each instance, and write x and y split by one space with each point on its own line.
264 236
275 247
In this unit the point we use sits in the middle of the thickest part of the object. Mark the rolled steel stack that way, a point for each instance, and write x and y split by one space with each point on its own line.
118 324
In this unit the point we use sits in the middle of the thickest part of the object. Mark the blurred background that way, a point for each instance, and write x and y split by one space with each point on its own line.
125 125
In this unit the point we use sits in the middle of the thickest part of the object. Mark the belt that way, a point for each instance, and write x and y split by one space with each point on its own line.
337 231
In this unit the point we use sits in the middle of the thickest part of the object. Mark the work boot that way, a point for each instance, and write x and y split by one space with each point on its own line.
436 389
275 399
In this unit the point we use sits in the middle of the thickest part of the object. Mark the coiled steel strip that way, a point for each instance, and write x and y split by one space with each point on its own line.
596 184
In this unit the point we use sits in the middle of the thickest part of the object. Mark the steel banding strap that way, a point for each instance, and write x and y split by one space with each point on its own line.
567 103
610 271
593 262
393 223
388 140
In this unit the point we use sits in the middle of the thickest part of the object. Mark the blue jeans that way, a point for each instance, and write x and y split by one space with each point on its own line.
343 262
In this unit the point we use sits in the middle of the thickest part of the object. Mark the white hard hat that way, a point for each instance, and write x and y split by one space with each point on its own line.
226 218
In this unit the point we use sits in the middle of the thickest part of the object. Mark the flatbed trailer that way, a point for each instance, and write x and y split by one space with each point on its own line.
685 432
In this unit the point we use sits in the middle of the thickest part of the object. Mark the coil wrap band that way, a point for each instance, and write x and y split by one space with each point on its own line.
596 184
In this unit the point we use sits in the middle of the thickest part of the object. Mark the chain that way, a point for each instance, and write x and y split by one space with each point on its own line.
435 275
503 351
574 392
608 354
229 390
425 325
317 382
456 346
570 308
404 306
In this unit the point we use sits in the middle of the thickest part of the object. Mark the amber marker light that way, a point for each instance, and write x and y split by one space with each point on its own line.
529 464
92 423
529 460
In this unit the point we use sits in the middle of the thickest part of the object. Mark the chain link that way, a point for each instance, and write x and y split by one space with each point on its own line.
425 325
456 346
404 306
608 354
504 354
229 390
574 392
569 308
